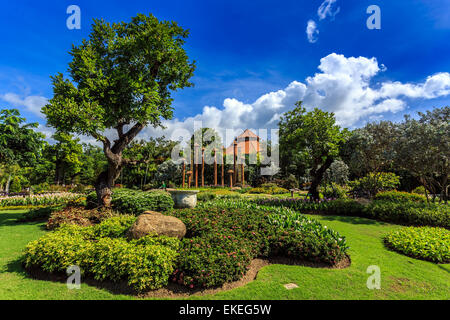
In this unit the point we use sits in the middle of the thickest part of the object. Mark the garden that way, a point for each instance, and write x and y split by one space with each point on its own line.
337 203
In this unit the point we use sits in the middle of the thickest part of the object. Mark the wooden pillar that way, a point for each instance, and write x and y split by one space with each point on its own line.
223 166
231 177
234 159
189 173
203 167
196 164
215 167
242 173
191 176
184 172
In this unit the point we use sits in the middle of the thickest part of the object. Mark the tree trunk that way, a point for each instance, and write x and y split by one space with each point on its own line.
8 182
105 183
317 176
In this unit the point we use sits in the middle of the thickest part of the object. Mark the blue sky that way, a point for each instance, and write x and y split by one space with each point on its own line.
247 49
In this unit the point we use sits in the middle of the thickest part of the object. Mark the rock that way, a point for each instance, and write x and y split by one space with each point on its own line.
184 198
156 223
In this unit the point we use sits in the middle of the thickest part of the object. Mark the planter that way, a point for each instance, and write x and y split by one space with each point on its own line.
184 198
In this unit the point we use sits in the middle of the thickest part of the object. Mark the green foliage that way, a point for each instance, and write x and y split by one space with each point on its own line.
145 264
15 185
399 196
419 190
425 243
337 173
168 171
136 201
268 188
223 236
373 183
114 227
39 213
334 191
309 142
206 196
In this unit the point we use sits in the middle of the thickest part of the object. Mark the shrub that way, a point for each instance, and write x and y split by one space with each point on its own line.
223 236
205 196
136 201
268 188
145 263
399 196
334 191
114 227
432 244
419 190
373 183
78 215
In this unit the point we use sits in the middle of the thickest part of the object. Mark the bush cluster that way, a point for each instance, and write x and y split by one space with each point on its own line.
395 195
224 236
102 252
401 212
268 188
373 183
135 201
427 243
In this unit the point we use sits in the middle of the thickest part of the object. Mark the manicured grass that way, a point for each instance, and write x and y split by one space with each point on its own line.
401 277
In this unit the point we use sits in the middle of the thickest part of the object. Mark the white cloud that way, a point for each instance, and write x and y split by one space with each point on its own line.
31 103
342 85
311 31
326 9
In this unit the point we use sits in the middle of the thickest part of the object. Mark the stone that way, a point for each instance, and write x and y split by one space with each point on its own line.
290 286
158 224
184 198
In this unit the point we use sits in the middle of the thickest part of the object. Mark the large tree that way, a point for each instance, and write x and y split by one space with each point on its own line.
311 139
423 148
122 78
20 144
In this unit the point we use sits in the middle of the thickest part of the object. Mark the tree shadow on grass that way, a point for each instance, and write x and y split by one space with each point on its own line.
12 219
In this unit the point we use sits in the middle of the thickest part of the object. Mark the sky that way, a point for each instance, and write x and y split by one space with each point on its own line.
254 59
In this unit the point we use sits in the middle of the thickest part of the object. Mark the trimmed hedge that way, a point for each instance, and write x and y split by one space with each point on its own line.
223 237
135 201
399 196
426 243
401 212
101 252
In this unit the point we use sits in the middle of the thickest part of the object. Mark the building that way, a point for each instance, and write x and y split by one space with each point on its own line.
247 143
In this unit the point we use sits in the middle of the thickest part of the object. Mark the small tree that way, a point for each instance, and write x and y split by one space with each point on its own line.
122 79
312 139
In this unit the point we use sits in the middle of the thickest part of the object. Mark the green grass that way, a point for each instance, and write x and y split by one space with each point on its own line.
401 277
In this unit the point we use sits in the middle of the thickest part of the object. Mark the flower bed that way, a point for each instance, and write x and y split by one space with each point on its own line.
425 243
39 200
224 236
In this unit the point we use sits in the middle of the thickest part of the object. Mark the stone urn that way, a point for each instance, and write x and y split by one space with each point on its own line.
156 223
184 198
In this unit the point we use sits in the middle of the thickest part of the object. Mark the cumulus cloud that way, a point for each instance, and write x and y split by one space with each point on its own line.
326 9
342 85
311 31
33 104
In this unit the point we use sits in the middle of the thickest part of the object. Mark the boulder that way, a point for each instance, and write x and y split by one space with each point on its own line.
151 222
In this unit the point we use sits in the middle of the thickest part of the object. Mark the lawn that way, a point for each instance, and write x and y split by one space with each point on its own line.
401 277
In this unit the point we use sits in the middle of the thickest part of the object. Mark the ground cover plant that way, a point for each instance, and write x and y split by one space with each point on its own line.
427 243
400 196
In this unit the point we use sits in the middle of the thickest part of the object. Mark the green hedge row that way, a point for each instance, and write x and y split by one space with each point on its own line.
401 212
135 202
